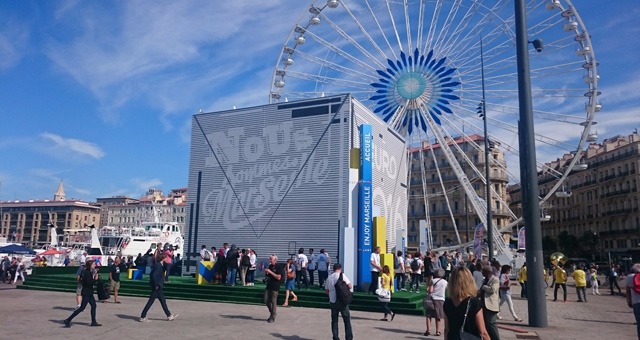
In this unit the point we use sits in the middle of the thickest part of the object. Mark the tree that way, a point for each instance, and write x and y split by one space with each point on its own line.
568 243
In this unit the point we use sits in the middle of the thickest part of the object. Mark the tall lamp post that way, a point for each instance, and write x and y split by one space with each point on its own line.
537 305
482 110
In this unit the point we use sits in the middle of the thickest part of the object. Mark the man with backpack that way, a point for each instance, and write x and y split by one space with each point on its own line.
416 272
633 294
338 287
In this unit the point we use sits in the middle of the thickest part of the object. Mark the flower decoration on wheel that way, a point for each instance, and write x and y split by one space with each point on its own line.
412 87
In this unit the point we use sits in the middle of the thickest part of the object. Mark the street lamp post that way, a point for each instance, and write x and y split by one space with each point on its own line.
482 109
537 306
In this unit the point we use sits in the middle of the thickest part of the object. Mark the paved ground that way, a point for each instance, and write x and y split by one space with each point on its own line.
28 314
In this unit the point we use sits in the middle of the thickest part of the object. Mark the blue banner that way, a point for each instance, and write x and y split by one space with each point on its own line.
366 146
365 209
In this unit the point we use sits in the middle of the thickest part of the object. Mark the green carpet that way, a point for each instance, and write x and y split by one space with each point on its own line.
184 288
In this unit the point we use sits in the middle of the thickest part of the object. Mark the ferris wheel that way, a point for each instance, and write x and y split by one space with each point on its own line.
421 66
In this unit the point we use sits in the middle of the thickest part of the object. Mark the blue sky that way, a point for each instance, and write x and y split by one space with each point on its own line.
101 94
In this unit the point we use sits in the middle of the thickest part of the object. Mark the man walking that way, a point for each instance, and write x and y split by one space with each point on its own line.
374 264
275 275
337 306
88 278
157 284
613 278
490 299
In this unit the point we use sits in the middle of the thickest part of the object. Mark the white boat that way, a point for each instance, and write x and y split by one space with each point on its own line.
134 241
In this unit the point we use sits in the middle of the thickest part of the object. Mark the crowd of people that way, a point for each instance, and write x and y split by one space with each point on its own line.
461 296
12 269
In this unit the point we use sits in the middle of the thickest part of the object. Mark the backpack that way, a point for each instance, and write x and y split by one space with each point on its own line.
343 294
636 283
415 265
396 263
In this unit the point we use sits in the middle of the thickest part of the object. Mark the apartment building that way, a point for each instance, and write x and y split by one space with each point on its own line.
27 221
437 176
601 199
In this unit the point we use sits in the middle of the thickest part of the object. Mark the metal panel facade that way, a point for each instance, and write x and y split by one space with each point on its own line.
272 175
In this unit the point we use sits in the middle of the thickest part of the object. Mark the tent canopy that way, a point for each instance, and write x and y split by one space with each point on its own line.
51 251
17 249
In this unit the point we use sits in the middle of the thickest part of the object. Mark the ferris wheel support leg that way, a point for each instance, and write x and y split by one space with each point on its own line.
537 306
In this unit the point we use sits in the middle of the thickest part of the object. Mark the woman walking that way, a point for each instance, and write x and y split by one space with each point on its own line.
290 284
462 309
88 277
505 291
436 287
385 293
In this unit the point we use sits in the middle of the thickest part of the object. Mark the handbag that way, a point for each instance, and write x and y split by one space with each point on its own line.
466 335
428 302
384 295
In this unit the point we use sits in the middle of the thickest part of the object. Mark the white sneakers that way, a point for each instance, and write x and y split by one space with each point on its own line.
169 318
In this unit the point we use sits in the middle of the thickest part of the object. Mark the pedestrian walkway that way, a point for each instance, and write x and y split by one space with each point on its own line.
30 314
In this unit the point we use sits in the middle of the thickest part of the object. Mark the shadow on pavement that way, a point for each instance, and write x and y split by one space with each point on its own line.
244 317
290 337
361 318
603 321
128 317
399 330
71 309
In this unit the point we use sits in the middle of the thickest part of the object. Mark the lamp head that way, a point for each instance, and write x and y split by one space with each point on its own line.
537 44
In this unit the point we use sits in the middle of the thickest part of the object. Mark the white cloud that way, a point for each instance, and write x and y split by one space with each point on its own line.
14 36
170 54
143 184
76 146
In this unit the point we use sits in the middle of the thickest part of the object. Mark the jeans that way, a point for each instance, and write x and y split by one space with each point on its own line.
636 313
415 281
251 275
243 274
86 299
386 309
491 323
231 276
505 296
555 291
156 294
301 275
271 300
322 276
523 292
614 282
346 317
374 282
582 293
311 275
401 280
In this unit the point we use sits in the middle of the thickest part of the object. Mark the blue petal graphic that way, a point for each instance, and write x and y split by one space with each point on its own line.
421 84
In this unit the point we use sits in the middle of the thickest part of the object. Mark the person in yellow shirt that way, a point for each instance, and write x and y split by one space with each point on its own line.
386 286
560 276
581 283
522 278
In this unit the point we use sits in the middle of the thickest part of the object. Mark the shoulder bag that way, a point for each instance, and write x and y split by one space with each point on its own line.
428 303
466 335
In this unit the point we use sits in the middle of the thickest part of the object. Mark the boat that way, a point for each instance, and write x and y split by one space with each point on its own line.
133 241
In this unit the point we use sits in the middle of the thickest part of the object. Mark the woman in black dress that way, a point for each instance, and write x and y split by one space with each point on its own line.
88 278
462 308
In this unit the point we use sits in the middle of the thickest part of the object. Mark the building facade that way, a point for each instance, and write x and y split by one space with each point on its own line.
27 221
127 212
437 176
602 200
278 177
